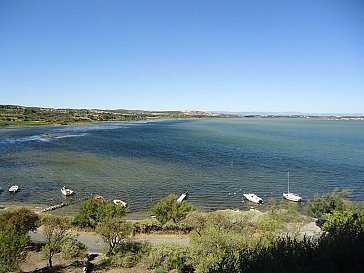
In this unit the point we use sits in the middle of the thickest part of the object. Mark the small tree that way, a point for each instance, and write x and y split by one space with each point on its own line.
169 209
12 248
109 210
113 231
88 213
94 211
55 232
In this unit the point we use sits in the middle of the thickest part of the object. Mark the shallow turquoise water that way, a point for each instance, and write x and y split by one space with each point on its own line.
212 158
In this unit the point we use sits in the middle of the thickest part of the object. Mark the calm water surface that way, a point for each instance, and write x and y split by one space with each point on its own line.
212 158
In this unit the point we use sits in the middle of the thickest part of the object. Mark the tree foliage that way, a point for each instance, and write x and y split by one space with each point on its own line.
23 220
55 232
168 209
12 248
327 203
344 223
93 211
113 231
210 248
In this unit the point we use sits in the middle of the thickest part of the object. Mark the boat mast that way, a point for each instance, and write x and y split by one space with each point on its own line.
288 181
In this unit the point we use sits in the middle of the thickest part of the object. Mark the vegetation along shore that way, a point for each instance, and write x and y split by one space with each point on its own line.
177 237
22 116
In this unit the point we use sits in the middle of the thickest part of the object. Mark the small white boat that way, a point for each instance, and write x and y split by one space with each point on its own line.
182 197
120 202
290 195
14 189
66 191
253 198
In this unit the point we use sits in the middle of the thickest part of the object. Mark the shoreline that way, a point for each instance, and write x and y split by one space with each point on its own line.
87 123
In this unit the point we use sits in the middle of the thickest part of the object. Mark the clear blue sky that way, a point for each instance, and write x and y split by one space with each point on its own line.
305 56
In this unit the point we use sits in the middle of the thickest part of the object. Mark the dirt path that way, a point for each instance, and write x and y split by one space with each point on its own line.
95 244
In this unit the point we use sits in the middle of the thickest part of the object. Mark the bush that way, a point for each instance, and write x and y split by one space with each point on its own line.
23 220
168 209
327 203
344 223
168 256
212 246
73 248
146 226
93 211
88 213
12 248
129 253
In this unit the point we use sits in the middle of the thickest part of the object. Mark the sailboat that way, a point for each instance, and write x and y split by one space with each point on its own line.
290 195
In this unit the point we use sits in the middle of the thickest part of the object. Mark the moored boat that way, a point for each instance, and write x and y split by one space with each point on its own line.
253 198
14 188
66 191
290 195
120 202
182 197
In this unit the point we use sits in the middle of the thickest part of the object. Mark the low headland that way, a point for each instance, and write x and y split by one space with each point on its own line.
22 116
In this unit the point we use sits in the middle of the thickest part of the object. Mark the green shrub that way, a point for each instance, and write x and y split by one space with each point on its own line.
73 248
327 203
168 209
168 256
344 223
93 211
12 248
129 253
212 246
127 260
23 219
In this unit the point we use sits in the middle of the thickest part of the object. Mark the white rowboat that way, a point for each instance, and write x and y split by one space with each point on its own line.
66 191
253 198
14 189
182 197
119 202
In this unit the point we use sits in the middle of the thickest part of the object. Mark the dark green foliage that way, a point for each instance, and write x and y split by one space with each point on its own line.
23 220
169 210
129 253
110 210
12 248
93 211
327 203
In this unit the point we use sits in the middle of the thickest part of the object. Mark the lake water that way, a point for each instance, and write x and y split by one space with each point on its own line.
212 158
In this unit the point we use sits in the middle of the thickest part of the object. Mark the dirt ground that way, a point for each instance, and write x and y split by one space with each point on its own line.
36 263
